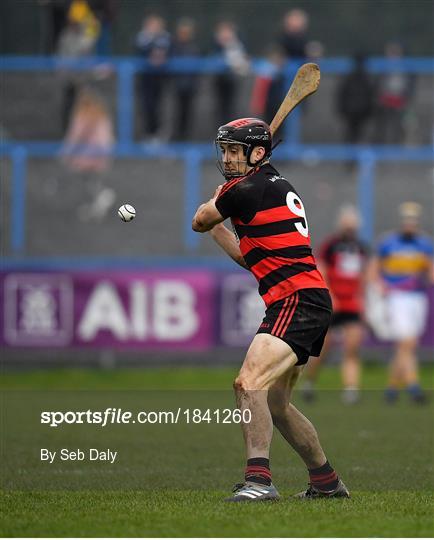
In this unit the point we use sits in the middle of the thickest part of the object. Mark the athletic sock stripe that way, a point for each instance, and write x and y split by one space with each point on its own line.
324 477
288 320
258 471
325 482
288 313
257 468
280 315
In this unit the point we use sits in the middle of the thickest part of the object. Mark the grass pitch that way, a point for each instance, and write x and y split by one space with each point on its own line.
170 480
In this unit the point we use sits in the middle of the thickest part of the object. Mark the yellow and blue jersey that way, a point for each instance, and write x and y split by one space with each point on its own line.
405 260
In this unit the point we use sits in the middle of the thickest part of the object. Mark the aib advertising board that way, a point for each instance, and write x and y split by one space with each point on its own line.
185 309
108 309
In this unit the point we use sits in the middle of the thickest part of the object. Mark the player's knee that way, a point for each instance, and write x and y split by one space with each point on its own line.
242 384
248 383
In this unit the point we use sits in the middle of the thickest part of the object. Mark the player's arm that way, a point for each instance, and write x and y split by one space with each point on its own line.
207 215
431 272
430 262
227 241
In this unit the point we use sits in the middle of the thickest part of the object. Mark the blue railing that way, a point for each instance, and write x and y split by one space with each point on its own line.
194 154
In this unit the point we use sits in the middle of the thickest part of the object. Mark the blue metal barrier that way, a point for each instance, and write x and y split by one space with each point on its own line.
194 154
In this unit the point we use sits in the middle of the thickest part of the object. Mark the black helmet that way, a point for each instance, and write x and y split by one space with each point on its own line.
249 132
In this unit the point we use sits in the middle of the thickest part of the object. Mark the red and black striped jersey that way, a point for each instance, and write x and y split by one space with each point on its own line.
344 260
270 222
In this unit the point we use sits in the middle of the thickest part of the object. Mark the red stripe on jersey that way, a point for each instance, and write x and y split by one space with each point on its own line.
304 280
289 319
271 215
279 213
279 318
278 241
267 265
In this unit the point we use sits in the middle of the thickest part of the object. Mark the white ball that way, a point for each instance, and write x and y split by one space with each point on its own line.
127 212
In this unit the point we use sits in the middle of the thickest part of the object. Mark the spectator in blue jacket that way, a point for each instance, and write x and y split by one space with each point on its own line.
153 43
184 45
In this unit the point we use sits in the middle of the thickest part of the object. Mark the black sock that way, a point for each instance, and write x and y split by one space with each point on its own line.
324 478
258 471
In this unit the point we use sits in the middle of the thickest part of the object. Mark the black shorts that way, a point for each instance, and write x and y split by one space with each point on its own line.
341 318
300 320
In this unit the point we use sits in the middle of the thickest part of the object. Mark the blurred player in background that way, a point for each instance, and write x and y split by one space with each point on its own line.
274 244
402 269
343 262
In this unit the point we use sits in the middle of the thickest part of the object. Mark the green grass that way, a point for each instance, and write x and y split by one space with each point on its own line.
203 514
167 378
170 480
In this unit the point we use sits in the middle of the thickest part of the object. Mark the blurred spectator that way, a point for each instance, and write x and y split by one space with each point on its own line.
343 262
153 42
401 271
395 90
355 100
269 87
105 12
55 11
293 39
87 148
185 83
76 40
229 46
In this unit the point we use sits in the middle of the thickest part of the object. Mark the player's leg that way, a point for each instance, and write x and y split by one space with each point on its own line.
407 314
300 433
395 374
410 370
267 359
313 368
350 368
